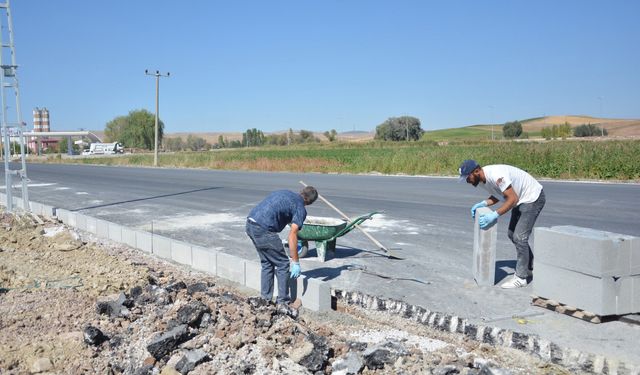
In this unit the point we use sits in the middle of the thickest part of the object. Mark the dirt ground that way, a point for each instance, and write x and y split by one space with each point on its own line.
71 303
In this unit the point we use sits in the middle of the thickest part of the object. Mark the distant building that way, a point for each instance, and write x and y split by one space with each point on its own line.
41 120
41 124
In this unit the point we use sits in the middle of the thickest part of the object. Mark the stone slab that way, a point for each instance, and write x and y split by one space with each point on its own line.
315 294
144 241
635 257
252 275
71 219
484 251
230 267
36 208
161 246
204 259
590 251
61 214
181 252
102 228
599 295
81 221
92 225
115 232
129 237
48 211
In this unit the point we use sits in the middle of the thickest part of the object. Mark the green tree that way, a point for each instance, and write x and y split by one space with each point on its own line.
512 129
564 130
221 142
174 144
588 130
290 137
137 129
276 139
307 136
253 137
331 135
63 147
399 129
196 143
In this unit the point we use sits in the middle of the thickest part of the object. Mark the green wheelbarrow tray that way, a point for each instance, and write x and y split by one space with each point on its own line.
324 231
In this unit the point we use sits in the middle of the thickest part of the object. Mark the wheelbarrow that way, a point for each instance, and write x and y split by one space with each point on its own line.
324 231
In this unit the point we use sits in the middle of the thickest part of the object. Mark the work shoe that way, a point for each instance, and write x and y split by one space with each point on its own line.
514 282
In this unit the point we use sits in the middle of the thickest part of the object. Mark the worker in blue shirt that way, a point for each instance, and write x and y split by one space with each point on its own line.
264 222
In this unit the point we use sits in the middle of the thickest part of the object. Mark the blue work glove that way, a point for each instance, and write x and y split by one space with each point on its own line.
295 270
476 206
486 220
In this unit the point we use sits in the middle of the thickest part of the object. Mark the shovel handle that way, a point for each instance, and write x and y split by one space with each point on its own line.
347 217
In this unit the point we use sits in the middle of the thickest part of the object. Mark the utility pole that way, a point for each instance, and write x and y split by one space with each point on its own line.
12 126
155 143
491 119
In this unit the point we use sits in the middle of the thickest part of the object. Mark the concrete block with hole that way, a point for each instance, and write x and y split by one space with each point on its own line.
484 251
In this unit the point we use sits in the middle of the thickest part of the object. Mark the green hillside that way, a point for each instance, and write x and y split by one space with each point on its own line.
474 132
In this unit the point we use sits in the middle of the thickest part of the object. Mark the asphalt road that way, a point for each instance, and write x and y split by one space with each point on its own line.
425 221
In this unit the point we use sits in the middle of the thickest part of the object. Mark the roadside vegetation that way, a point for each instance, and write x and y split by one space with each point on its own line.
605 160
400 146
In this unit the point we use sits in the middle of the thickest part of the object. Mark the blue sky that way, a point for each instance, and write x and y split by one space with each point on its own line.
321 65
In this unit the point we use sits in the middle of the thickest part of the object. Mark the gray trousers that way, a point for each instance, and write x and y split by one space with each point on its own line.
273 260
523 217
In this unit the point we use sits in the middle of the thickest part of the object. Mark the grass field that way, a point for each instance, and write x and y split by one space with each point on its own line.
607 160
475 132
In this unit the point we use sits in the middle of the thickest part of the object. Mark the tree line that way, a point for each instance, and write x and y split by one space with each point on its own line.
513 130
137 130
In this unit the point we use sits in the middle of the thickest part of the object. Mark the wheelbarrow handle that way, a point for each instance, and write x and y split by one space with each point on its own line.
354 223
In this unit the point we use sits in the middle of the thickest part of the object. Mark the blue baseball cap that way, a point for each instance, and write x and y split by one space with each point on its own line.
466 168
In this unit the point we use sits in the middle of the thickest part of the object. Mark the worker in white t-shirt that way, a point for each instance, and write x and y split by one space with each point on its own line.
520 193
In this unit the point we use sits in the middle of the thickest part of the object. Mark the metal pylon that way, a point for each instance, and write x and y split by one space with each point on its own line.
12 126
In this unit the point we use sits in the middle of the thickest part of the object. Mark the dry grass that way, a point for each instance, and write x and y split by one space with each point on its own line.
615 127
300 164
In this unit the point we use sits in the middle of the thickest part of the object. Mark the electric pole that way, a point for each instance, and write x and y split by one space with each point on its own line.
155 143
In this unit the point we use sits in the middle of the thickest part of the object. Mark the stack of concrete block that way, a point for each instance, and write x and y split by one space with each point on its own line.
484 251
588 269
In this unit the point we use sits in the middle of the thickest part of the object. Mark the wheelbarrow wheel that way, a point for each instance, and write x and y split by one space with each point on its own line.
303 248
